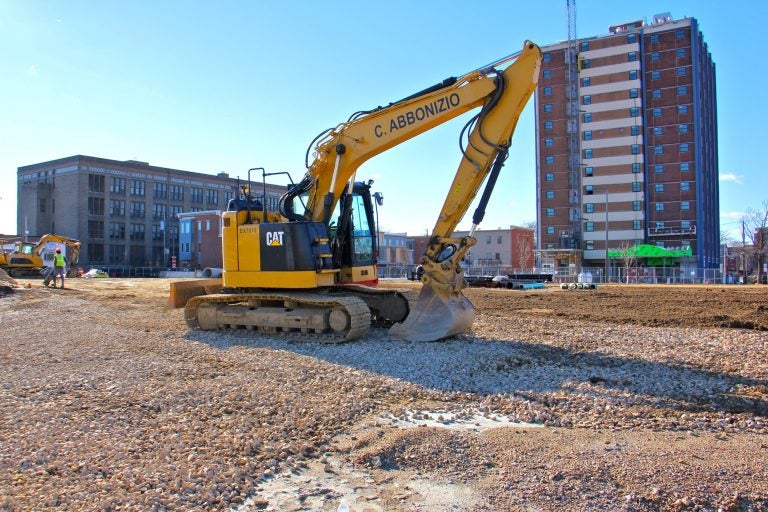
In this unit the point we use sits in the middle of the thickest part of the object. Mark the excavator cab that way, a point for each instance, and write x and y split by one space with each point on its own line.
353 236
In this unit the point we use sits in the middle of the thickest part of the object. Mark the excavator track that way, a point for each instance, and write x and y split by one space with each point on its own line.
320 317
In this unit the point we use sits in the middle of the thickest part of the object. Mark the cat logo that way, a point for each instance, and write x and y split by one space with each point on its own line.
274 238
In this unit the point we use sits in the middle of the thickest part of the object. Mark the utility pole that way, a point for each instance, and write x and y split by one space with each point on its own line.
743 253
606 235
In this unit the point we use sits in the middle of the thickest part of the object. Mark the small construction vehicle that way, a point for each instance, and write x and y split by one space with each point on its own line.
28 259
310 267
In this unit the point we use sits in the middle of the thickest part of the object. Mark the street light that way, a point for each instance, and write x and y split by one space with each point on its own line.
605 191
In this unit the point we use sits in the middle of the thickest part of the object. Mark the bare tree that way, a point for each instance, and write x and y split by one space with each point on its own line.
524 246
629 259
755 225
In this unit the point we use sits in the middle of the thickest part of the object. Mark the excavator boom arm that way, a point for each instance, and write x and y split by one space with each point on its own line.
349 145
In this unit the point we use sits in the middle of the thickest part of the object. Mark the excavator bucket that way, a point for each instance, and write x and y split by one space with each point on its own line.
435 316
182 291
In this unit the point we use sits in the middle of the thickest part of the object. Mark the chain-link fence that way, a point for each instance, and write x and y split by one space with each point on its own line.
617 274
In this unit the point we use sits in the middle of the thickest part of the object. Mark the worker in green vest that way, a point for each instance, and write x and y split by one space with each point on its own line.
59 267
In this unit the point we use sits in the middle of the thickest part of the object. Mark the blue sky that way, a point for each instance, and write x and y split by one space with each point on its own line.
226 86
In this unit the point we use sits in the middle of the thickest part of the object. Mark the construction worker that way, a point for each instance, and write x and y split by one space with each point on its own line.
59 267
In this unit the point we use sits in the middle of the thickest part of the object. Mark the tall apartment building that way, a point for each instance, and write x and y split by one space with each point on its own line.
626 146
123 212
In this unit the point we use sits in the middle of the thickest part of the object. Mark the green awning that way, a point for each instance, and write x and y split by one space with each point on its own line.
653 254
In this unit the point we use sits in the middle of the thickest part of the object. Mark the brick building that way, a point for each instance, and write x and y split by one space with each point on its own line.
626 146
125 213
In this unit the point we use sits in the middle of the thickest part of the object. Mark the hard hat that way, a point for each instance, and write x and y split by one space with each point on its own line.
58 250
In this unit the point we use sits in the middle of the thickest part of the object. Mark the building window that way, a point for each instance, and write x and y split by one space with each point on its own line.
680 34
177 193
655 75
637 225
633 74
584 63
585 46
550 212
658 168
212 197
685 205
683 128
116 208
548 125
659 207
95 206
589 226
548 143
158 211
659 225
654 56
588 171
635 149
658 130
117 230
685 224
547 91
159 190
681 71
586 81
588 117
549 159
137 231
117 186
684 147
547 57
550 176
631 56
550 194
547 107
588 135
634 112
589 208
636 167
547 73
586 100
659 187
196 195
682 90
635 206
589 245
96 183
550 230
682 109
656 94
680 52
587 153
636 186
137 210
137 187
631 38
685 186
658 150
654 38
657 112
96 228
634 130
588 189
633 93
683 166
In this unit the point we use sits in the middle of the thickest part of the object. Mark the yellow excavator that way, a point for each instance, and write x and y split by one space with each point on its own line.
27 259
310 267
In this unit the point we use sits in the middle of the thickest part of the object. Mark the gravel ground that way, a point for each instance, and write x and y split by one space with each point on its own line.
108 402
